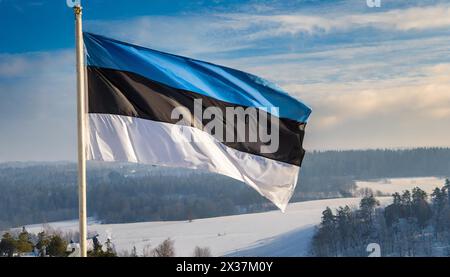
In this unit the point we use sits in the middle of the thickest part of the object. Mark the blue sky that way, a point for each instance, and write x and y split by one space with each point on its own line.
375 77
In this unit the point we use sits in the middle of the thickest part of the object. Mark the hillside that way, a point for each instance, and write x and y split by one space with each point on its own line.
260 234
126 193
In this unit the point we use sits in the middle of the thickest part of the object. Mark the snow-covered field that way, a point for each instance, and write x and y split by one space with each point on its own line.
260 234
389 186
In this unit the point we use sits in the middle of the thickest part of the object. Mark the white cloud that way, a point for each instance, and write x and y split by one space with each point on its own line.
391 94
186 35
35 63
265 26
14 67
38 107
208 36
388 113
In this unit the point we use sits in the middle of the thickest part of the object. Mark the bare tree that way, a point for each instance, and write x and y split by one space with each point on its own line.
165 249
202 252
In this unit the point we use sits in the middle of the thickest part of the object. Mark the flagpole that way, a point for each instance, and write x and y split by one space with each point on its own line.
81 129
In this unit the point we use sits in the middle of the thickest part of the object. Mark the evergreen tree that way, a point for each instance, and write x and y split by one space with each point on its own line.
110 251
343 224
393 212
23 243
367 207
406 203
439 201
109 245
57 246
97 245
328 219
7 245
440 197
397 199
327 232
418 195
97 251
420 208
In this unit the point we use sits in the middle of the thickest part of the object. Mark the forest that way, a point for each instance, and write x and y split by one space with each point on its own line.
38 192
415 224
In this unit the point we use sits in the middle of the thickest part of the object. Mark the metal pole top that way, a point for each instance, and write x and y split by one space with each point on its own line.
77 10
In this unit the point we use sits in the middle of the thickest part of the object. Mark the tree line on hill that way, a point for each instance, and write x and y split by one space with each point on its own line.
118 193
415 224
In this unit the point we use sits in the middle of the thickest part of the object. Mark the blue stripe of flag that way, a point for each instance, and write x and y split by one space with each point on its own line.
205 78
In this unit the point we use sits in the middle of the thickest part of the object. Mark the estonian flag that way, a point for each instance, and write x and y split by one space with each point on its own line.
134 91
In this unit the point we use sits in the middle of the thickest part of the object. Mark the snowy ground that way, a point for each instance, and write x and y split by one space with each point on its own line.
389 186
260 234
